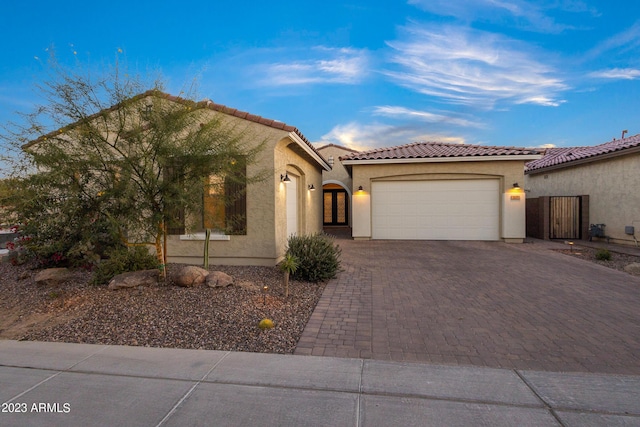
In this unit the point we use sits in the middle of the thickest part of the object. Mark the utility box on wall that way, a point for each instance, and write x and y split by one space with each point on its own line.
514 216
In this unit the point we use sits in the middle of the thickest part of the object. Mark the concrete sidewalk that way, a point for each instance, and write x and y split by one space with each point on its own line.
79 384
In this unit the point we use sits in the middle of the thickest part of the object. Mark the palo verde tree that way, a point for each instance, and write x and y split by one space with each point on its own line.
109 159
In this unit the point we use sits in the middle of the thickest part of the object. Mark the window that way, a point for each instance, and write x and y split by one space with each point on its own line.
224 204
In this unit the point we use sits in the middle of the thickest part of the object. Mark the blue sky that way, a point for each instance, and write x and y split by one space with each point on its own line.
361 73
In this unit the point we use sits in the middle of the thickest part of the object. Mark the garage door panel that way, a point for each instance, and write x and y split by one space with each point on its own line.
436 210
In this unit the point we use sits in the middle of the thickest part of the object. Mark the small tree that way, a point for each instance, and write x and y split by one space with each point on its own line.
288 265
112 160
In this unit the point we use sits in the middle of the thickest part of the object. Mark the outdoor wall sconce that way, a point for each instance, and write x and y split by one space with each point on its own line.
360 188
285 178
312 187
516 186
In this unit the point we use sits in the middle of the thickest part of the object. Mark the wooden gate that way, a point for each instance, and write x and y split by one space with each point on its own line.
565 215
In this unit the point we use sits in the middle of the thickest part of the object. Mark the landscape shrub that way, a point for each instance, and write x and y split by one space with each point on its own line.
123 260
603 255
317 254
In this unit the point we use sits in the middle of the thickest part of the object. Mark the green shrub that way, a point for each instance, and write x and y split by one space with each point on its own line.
603 255
122 260
318 257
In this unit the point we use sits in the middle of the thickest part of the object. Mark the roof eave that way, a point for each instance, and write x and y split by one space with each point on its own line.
521 157
591 159
313 153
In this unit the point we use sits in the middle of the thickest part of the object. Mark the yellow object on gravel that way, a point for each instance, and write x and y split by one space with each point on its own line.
266 324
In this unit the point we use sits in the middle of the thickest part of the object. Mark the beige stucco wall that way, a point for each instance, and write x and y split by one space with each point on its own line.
507 172
265 241
338 173
613 187
309 202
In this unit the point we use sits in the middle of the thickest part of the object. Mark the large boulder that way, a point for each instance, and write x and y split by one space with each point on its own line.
133 279
190 276
633 268
52 276
219 279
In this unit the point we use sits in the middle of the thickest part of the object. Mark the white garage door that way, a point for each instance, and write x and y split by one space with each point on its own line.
436 210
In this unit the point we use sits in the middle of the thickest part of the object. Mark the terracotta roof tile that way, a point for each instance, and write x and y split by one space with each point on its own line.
421 150
338 146
564 155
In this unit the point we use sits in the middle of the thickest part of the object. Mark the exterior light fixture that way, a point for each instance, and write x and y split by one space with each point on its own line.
360 188
285 178
265 288
516 186
312 187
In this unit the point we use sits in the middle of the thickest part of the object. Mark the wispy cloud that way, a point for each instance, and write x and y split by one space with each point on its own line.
622 42
464 66
368 136
331 65
527 15
425 116
617 74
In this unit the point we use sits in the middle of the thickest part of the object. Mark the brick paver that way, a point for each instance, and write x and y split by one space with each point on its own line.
477 303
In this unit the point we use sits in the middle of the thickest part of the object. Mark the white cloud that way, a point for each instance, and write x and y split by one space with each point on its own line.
528 15
622 42
368 136
402 112
471 67
333 65
617 74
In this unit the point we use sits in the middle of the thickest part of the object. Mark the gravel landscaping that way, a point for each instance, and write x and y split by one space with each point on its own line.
158 316
618 261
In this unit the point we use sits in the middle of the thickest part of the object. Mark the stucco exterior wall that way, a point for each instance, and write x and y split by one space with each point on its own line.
265 241
506 171
338 173
613 187
288 160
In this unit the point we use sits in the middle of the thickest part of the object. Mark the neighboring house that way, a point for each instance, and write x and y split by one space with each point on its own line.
604 181
436 191
336 187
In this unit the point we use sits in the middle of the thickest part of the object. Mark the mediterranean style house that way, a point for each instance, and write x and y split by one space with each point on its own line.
428 191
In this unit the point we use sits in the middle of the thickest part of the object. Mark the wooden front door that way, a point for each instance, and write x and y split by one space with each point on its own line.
336 207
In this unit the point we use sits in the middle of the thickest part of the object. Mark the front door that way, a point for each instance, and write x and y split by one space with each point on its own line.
336 207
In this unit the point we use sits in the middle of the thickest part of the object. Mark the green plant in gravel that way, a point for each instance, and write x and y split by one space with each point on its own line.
123 260
603 255
317 254
288 265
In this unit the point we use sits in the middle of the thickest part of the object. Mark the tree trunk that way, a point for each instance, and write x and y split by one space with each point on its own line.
286 284
160 252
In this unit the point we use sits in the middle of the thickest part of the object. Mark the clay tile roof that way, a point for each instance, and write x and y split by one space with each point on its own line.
565 155
338 146
422 150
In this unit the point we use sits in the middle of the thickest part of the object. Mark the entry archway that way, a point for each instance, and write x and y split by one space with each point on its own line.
336 200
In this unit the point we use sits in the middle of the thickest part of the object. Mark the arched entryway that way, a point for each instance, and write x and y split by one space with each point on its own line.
335 205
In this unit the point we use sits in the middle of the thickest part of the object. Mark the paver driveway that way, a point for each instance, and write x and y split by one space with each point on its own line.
478 303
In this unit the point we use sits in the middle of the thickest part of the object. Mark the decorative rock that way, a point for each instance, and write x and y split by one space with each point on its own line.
190 276
218 279
633 268
134 279
250 286
52 276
